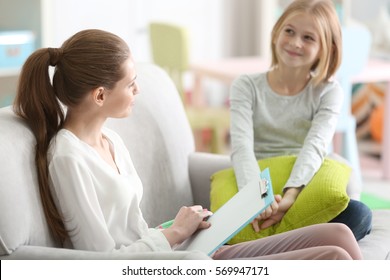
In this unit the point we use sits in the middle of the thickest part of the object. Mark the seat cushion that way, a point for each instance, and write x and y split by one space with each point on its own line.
320 201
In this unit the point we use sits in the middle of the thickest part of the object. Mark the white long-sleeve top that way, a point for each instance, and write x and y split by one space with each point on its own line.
100 207
266 124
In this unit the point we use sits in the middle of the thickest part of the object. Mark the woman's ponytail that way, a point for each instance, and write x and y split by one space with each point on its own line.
38 105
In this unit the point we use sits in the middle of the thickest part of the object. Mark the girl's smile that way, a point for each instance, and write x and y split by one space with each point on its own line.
298 43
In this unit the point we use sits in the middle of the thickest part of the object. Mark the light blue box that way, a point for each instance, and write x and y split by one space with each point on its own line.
15 47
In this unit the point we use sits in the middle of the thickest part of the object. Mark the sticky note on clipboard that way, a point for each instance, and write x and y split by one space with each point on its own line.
233 216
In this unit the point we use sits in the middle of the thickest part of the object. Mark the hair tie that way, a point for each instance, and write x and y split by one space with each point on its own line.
55 55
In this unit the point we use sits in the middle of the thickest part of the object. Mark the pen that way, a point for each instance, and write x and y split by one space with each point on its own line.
165 225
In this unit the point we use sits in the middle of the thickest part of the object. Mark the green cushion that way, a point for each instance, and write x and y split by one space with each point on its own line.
319 202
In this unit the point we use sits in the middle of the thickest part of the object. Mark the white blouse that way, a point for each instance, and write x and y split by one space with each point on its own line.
99 206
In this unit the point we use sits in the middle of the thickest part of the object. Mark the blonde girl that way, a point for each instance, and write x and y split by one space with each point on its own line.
293 108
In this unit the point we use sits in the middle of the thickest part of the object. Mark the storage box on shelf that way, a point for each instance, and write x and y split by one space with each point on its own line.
15 47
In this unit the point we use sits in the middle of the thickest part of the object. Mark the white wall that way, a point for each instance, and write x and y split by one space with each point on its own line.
364 10
64 18
130 18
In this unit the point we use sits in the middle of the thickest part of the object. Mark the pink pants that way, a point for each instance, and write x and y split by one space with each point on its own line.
330 241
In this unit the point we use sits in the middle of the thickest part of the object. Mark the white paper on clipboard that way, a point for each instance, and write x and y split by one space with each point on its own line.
233 216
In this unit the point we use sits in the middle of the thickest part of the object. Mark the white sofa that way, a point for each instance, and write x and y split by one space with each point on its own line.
161 144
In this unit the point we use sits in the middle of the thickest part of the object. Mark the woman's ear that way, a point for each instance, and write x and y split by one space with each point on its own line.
98 96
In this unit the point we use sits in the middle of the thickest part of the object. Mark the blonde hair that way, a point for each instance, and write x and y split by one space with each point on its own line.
326 20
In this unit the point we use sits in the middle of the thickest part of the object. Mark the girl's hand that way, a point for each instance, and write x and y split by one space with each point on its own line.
271 217
187 221
271 210
284 205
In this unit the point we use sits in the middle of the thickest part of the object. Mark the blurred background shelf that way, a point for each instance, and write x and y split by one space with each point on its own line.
370 148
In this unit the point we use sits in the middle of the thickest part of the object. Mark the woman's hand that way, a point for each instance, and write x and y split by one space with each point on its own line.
271 216
187 221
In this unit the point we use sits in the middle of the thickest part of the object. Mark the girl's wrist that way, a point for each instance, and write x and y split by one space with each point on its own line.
292 192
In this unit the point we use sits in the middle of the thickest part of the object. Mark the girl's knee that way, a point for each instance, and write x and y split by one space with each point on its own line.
342 231
336 253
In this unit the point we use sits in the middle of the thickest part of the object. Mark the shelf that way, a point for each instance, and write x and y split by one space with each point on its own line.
370 147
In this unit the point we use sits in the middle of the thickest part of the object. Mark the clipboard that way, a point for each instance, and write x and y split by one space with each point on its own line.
232 217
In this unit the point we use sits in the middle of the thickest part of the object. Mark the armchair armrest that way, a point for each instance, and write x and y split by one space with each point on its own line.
201 167
50 253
